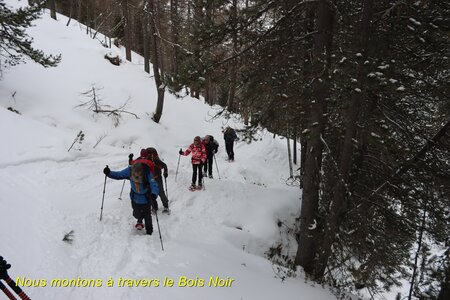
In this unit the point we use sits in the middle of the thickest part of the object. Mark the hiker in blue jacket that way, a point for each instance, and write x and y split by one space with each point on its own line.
144 191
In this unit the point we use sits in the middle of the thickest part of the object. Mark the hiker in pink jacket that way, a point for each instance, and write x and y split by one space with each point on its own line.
198 159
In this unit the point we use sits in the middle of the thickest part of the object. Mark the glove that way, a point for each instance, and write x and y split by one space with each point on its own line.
165 175
4 268
153 202
106 171
181 152
130 156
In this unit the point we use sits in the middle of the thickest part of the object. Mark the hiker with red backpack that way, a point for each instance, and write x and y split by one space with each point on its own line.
211 146
198 159
144 191
159 167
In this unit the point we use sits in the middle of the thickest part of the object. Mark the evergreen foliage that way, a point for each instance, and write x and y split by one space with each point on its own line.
14 42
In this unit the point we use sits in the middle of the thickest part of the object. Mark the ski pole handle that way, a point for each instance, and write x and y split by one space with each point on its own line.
7 292
16 289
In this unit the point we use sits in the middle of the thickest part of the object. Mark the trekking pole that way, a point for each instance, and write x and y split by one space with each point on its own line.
167 191
16 289
130 162
120 197
215 160
4 275
103 198
176 173
7 292
159 230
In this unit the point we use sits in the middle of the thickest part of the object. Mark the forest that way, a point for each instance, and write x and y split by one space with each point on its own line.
361 86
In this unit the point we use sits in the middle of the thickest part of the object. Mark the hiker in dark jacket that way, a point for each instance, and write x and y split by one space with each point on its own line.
159 167
211 146
229 136
144 191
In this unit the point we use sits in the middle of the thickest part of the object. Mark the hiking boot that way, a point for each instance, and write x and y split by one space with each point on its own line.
166 210
210 176
149 232
139 226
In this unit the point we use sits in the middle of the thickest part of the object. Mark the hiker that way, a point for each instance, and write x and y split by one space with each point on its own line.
144 192
211 146
198 158
159 166
229 136
143 158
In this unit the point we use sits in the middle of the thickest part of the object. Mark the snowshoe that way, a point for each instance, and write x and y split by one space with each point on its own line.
192 188
166 210
199 187
139 226
210 176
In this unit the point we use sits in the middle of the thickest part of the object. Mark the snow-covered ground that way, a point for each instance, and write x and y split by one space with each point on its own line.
46 191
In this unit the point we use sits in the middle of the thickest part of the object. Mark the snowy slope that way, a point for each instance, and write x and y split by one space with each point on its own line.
46 191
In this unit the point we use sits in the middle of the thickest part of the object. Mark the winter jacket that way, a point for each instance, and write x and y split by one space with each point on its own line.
198 153
211 147
139 191
230 135
159 165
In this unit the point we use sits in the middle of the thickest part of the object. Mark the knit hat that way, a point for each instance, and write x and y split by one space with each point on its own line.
144 152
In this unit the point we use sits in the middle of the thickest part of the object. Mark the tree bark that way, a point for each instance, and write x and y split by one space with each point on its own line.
146 40
52 4
309 233
234 62
155 55
339 190
175 27
126 29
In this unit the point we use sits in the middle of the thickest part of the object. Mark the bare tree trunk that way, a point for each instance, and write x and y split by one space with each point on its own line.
126 29
52 4
155 55
70 12
175 27
233 79
294 145
146 39
419 247
79 11
309 233
346 156
291 169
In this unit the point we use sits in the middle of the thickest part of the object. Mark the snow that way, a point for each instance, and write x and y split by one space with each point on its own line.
46 191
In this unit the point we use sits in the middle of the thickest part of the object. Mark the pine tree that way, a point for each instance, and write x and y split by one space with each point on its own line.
15 44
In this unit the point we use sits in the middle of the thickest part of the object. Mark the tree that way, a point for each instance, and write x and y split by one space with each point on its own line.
14 42
156 60
52 4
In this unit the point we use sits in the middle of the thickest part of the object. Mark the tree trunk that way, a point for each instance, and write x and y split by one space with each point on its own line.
444 293
339 190
309 233
70 12
52 4
146 39
294 146
126 29
79 12
155 56
234 62
175 27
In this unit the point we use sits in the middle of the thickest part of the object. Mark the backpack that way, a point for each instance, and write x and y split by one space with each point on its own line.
139 173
